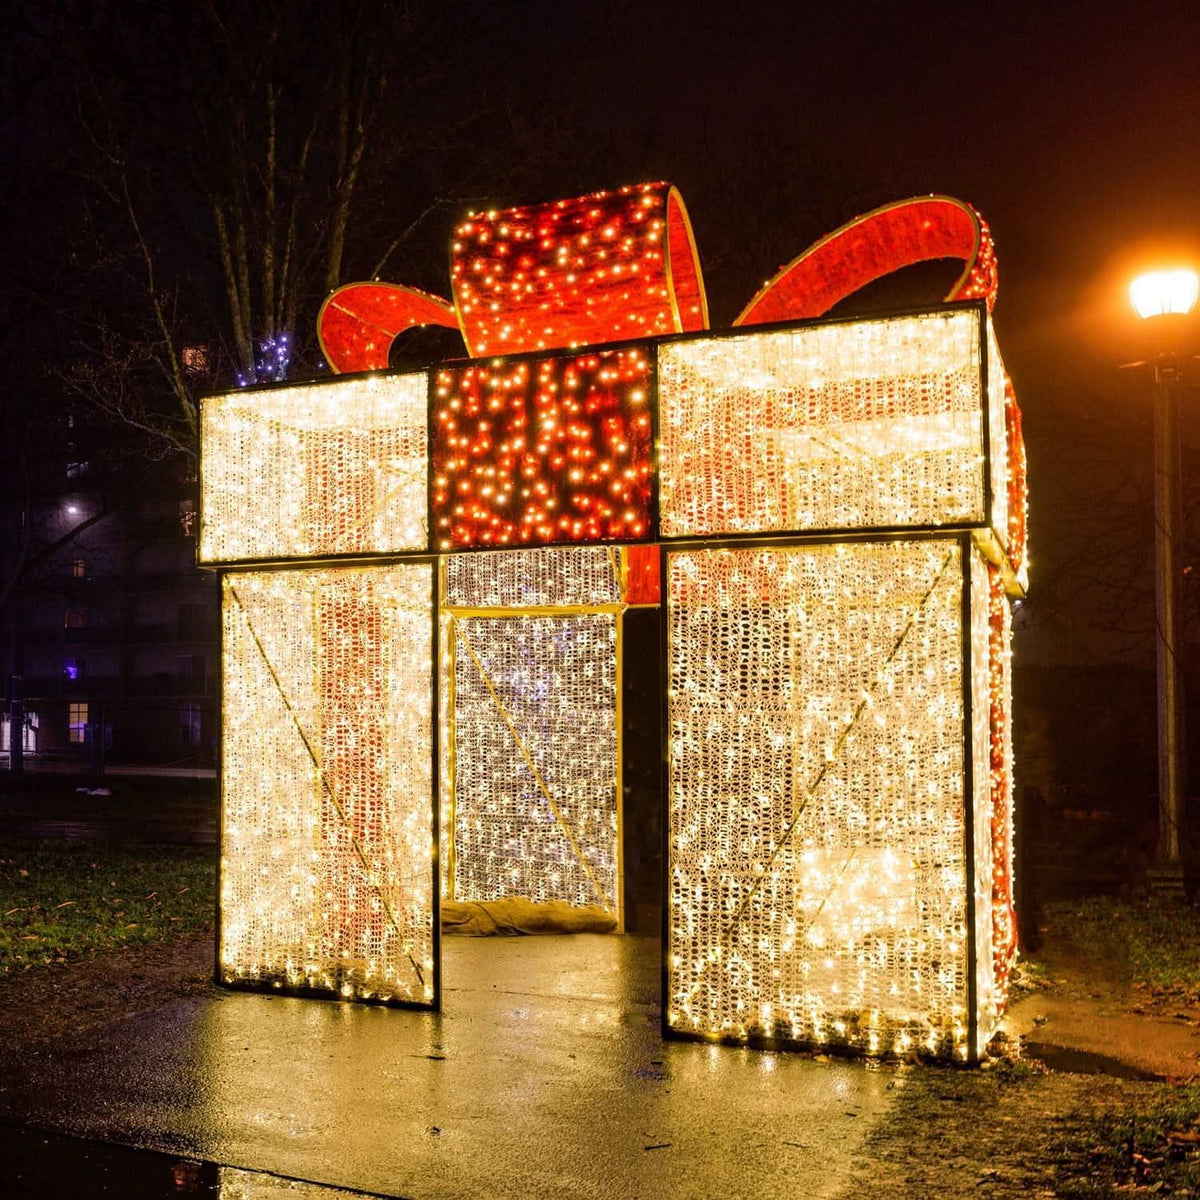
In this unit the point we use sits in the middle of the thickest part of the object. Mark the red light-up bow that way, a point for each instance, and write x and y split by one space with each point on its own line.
622 264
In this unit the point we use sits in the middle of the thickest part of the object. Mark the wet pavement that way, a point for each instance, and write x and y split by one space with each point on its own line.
545 1075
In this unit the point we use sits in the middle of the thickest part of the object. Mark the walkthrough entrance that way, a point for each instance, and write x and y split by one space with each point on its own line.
543 814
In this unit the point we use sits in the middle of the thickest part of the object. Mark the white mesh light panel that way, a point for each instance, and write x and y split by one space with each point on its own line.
327 827
535 758
817 870
863 425
985 986
561 577
541 687
315 470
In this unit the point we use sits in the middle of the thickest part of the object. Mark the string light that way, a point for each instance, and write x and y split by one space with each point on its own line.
874 424
551 450
329 468
272 359
326 834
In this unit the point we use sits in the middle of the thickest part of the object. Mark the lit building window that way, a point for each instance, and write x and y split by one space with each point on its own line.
78 568
28 741
73 668
77 719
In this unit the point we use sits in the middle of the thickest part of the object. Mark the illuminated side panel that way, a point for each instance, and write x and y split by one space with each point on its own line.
543 452
559 577
998 439
859 425
1018 490
326 836
606 267
986 998
536 765
319 469
817 869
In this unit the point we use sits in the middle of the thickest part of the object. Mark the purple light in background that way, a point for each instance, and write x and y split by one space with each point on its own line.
71 669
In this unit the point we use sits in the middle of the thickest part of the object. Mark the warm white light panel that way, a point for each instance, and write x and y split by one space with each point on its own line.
327 826
315 470
858 425
817 884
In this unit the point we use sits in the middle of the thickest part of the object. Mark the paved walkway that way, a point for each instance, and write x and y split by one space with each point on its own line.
544 1076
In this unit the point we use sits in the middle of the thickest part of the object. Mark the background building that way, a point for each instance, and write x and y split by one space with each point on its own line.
110 634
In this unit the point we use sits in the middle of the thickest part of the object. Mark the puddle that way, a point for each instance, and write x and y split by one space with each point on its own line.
1083 1062
38 1164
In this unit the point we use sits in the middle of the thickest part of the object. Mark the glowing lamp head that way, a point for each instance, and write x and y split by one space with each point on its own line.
1159 293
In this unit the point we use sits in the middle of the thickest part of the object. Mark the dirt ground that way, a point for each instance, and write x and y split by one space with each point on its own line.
992 1133
43 1004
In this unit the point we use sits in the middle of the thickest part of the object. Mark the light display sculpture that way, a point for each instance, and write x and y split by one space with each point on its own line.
423 631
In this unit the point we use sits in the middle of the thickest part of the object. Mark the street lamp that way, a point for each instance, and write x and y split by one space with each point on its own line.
1164 298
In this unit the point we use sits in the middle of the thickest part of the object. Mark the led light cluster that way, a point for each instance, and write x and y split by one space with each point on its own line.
605 267
535 758
496 588
987 999
560 577
874 424
327 838
320 469
818 879
543 451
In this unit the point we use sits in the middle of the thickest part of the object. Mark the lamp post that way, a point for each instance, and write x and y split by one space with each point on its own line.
1164 298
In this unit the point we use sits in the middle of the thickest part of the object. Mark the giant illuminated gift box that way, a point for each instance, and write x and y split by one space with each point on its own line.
424 576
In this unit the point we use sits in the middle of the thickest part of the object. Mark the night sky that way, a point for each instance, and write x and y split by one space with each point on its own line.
1074 128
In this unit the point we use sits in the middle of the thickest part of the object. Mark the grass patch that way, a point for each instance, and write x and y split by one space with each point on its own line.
1154 1152
62 899
1158 944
